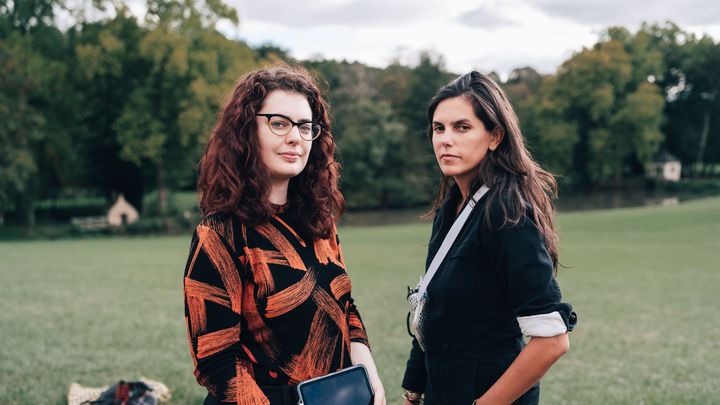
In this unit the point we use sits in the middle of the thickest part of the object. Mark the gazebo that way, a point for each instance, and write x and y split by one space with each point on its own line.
664 167
122 213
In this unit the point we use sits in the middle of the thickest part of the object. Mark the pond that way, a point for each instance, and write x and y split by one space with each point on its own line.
568 202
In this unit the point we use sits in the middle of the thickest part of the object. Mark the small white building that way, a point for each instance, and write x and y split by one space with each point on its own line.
122 213
664 167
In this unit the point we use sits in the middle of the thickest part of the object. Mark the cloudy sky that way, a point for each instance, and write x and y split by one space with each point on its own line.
486 34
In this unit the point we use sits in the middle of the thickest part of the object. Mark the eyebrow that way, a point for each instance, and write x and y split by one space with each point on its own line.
460 121
300 121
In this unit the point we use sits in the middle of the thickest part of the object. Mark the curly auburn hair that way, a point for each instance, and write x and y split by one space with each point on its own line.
234 180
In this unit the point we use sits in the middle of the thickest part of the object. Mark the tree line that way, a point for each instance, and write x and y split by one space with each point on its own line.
118 103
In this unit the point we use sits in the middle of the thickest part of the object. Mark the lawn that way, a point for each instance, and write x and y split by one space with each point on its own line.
644 282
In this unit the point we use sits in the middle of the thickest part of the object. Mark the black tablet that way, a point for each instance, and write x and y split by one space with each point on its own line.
350 386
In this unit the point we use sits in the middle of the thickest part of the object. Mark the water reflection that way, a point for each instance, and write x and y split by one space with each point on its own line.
568 202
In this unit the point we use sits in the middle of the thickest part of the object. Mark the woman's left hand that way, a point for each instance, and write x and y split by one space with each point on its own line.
360 354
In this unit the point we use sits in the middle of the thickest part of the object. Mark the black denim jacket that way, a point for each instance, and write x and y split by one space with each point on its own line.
491 276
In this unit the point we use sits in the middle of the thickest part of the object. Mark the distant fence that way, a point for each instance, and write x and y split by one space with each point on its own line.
90 223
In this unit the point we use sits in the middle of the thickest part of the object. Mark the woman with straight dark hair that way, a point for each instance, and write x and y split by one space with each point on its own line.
496 281
268 303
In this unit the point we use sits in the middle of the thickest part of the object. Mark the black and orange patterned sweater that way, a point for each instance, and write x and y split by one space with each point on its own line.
265 307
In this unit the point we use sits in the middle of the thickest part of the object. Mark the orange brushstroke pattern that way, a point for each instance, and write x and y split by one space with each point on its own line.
249 353
357 329
256 326
261 272
207 292
340 286
326 252
291 297
273 257
355 321
358 335
277 239
211 343
242 389
250 272
198 316
196 250
328 305
316 356
222 260
223 226
302 242
190 340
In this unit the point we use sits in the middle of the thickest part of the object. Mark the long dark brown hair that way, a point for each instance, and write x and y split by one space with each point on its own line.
233 178
517 183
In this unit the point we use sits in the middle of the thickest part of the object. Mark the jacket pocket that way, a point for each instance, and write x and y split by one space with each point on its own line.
458 275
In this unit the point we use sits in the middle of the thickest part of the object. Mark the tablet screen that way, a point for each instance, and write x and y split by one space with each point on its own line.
348 387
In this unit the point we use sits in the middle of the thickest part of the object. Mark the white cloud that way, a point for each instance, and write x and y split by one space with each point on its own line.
484 18
323 13
488 34
623 12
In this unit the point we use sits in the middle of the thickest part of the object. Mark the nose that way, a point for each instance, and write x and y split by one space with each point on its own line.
293 136
446 137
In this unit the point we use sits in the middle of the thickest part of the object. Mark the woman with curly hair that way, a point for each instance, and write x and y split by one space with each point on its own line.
268 303
495 282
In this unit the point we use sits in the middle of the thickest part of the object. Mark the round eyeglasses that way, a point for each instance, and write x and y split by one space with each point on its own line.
281 125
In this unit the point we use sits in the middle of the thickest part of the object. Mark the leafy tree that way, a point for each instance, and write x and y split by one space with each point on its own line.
691 82
426 78
633 131
522 83
271 52
36 102
702 75
600 90
369 138
167 82
21 126
188 15
21 16
394 100
109 69
550 136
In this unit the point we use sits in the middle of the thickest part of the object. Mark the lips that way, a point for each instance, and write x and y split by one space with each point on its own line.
448 156
290 156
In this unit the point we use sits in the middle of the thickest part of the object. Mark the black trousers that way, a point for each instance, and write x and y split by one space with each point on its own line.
459 375
277 395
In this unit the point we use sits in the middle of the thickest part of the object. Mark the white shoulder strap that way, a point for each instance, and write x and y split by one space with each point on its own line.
450 238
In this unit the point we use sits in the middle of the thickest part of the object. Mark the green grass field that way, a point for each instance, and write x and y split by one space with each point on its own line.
644 282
